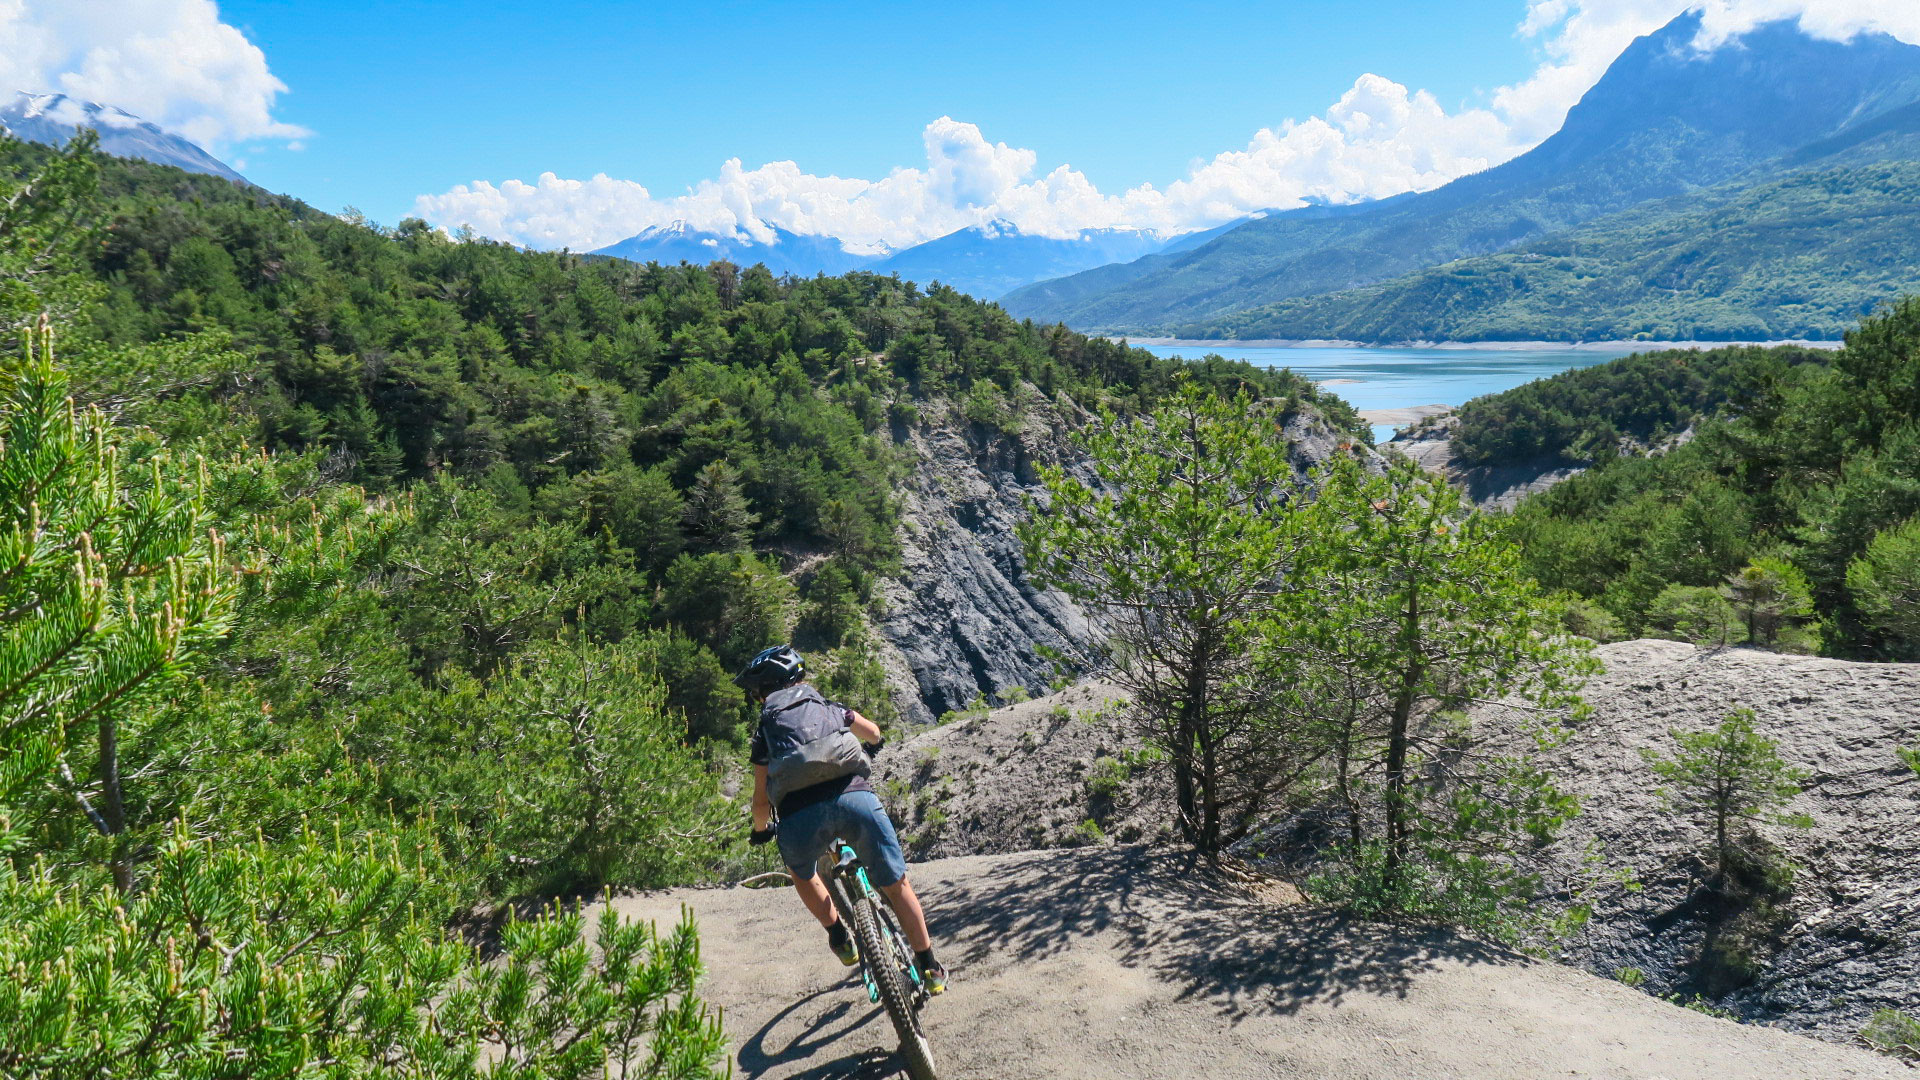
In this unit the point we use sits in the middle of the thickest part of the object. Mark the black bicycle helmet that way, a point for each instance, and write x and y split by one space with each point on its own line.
771 669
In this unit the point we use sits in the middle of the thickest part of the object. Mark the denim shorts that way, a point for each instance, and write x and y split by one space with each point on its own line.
856 817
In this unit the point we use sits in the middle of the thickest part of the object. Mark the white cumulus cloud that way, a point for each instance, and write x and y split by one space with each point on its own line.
1379 139
173 62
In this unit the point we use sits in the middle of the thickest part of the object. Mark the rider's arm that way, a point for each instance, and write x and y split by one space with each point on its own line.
863 729
762 806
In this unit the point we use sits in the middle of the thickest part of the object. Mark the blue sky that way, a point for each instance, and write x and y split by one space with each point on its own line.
407 98
564 123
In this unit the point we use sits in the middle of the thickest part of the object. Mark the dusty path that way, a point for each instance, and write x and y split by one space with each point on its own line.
1108 963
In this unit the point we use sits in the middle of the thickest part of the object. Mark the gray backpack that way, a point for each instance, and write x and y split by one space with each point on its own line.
808 742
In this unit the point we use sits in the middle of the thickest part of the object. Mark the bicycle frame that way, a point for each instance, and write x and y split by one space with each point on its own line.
840 865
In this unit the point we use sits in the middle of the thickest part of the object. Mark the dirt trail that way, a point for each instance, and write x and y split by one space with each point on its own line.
1110 962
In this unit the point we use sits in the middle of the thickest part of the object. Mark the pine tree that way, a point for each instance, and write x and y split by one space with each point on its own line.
717 517
1773 597
1885 585
1407 608
1732 777
1182 549
110 580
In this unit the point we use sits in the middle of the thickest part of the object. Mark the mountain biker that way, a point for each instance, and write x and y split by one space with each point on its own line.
800 738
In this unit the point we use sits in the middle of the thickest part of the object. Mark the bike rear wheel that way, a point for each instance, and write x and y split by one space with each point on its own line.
836 889
896 993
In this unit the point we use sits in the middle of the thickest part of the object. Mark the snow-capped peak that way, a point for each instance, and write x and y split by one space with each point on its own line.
54 118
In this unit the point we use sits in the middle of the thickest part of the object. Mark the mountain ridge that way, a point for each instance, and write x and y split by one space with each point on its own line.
53 119
1798 258
1661 122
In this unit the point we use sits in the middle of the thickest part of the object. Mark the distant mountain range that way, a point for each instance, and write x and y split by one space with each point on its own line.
54 118
785 253
984 261
1668 133
990 260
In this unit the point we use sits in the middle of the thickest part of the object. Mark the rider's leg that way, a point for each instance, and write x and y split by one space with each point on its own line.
813 893
912 920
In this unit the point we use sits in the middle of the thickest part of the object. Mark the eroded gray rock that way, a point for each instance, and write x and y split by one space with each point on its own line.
963 620
1850 942
962 617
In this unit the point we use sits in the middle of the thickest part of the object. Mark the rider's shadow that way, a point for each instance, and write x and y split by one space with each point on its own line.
835 1023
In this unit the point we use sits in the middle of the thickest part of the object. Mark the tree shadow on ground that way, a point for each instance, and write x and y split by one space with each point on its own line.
1210 939
842 1019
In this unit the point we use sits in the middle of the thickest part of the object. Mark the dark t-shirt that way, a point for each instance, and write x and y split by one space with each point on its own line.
795 801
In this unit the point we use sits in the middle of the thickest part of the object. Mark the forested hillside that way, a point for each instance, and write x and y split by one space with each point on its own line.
382 578
1802 257
1791 518
1594 413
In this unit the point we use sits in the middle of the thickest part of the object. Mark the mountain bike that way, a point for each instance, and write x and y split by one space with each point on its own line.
886 960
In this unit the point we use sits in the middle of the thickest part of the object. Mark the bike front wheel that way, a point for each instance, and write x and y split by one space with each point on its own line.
896 993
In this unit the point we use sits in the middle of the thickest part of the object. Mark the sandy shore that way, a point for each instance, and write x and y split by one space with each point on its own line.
1398 417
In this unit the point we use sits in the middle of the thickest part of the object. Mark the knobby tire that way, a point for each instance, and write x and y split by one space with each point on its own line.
895 993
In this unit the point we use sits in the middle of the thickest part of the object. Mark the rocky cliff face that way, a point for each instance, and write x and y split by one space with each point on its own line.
962 620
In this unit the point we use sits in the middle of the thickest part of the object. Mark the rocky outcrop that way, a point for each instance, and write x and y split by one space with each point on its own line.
1021 778
1846 940
962 620
1491 487
1500 485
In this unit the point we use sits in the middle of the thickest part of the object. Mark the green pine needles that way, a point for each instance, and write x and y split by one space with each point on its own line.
110 581
325 958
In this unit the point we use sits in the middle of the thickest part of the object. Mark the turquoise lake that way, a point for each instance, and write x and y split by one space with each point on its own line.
1401 378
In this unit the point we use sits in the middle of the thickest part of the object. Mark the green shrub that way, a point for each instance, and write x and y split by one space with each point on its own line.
329 957
1089 832
1442 885
1584 618
987 405
1108 777
1885 585
1893 1032
575 774
1701 1005
977 709
1695 614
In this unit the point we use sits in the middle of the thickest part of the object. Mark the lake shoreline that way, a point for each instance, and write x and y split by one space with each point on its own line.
1487 346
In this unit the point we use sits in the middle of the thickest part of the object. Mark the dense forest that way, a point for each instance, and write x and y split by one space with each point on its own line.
1800 257
1638 401
363 584
1790 519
